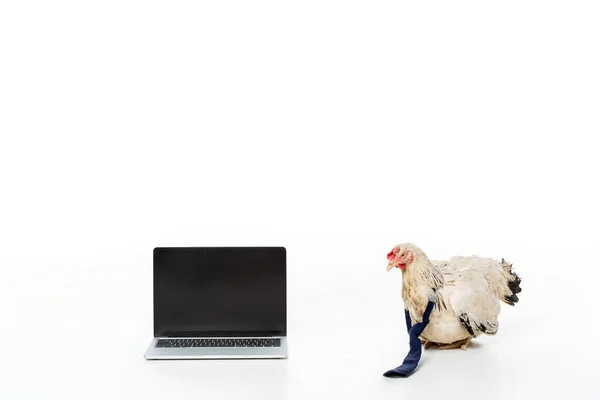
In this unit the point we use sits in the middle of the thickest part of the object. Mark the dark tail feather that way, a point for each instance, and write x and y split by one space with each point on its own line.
514 284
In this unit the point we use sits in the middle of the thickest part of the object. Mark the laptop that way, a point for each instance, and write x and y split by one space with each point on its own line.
219 302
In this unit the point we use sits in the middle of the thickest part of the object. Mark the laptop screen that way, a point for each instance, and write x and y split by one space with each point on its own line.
220 291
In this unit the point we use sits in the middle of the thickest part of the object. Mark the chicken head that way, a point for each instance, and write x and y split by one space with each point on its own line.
400 257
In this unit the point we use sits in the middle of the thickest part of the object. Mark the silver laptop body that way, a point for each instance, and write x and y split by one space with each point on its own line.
176 353
219 303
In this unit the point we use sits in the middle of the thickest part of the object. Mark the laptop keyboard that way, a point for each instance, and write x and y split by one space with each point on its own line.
210 342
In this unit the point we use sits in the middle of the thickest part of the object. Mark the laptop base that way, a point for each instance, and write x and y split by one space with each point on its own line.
216 353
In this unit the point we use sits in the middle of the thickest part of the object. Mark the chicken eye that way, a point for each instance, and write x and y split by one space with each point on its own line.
402 254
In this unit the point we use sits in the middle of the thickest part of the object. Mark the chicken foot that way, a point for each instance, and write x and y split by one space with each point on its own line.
463 344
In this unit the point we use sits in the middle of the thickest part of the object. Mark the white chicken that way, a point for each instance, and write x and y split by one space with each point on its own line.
466 292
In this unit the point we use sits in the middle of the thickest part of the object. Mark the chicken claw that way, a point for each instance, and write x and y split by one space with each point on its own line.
463 344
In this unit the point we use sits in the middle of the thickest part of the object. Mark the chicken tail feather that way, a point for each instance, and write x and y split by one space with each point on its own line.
514 283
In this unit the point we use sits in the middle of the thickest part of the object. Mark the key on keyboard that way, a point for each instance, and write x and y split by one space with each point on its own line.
210 342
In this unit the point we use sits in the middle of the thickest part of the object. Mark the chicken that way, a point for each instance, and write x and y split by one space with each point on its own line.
466 292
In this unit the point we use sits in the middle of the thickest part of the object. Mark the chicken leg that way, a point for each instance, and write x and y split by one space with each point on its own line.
463 344
426 343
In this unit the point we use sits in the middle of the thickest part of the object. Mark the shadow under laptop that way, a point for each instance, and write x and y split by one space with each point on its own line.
235 378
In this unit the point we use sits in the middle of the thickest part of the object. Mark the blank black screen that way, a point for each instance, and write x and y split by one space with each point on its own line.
219 291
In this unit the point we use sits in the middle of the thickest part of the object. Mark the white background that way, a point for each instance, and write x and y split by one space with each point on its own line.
334 128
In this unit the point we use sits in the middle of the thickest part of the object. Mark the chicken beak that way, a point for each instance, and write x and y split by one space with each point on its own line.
390 266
